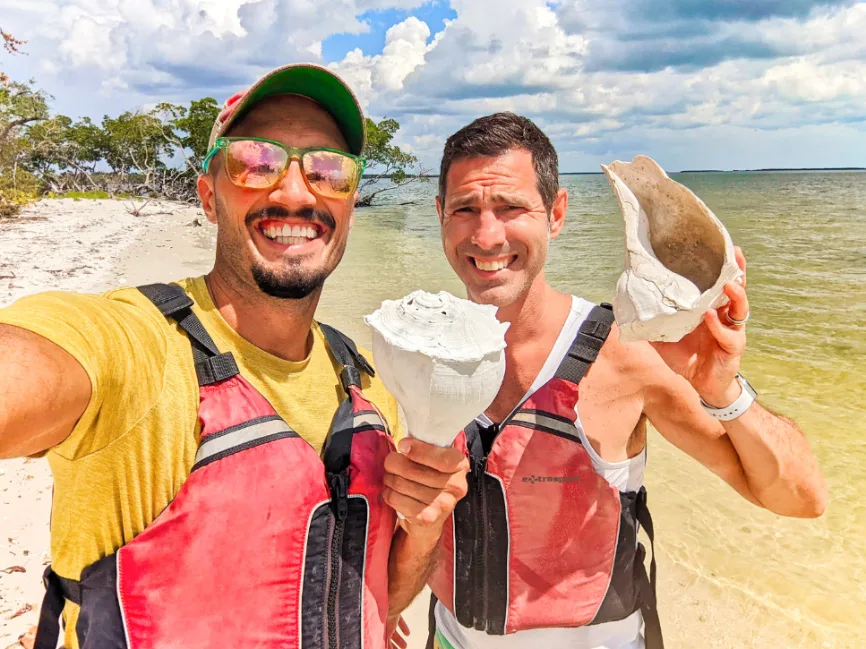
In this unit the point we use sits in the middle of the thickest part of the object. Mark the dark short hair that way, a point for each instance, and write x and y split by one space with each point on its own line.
495 135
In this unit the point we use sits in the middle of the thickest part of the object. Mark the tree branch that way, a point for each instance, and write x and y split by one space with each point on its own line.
15 124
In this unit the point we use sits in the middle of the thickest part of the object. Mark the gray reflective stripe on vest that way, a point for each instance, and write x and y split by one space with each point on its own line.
239 437
367 418
540 420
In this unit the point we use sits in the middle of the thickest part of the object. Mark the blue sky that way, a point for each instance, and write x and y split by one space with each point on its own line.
722 84
434 14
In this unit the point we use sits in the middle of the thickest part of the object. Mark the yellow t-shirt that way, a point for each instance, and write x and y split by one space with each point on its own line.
134 446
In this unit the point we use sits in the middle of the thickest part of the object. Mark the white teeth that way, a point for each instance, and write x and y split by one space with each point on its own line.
285 232
494 265
291 241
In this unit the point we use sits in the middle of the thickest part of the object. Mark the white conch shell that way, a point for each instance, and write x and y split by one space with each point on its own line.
678 254
441 357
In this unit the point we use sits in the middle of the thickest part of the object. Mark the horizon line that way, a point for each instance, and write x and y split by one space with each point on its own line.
694 171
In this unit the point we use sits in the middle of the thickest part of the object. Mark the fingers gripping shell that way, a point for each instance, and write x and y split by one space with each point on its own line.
678 258
443 359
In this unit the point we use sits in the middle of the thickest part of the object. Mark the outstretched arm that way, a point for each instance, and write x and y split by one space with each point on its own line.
43 393
765 456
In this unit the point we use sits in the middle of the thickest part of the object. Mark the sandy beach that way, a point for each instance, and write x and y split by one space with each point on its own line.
86 246
95 245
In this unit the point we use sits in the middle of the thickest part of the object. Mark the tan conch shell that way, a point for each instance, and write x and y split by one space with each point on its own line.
678 258
441 357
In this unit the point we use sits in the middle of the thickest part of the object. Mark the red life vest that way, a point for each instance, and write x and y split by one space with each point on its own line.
542 540
265 544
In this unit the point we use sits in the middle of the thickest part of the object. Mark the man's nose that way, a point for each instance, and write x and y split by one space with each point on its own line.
489 233
293 191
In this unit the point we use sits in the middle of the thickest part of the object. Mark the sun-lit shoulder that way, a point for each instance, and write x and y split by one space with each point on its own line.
635 363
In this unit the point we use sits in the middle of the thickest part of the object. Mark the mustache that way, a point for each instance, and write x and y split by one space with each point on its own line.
306 214
471 250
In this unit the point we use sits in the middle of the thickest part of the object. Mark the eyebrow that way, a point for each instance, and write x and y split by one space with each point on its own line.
468 200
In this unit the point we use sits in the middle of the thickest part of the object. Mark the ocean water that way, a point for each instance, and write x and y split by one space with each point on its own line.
794 583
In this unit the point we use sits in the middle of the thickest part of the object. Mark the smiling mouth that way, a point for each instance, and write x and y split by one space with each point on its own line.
492 264
289 234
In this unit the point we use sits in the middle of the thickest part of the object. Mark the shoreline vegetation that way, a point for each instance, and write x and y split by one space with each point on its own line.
153 154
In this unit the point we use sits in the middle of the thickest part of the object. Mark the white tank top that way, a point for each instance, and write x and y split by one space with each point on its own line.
625 476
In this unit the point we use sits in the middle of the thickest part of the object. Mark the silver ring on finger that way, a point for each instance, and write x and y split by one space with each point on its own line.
737 323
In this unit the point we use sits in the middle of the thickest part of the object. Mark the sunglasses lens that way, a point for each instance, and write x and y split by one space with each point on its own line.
256 165
331 174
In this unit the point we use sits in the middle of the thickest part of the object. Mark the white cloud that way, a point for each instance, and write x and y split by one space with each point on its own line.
593 73
405 49
521 57
167 44
807 81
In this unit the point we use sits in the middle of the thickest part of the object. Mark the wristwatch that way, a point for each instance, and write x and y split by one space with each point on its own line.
738 407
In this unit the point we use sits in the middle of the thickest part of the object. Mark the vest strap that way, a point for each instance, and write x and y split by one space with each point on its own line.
216 368
346 353
173 302
587 344
431 623
57 590
338 448
647 583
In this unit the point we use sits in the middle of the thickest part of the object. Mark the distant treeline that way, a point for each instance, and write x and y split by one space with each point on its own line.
155 153
740 171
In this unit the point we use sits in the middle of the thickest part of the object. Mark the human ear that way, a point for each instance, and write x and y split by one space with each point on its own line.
207 194
439 211
557 213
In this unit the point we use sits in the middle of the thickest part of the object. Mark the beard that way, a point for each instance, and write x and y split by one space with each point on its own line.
291 281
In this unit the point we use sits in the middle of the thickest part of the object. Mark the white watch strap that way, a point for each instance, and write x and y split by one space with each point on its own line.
737 408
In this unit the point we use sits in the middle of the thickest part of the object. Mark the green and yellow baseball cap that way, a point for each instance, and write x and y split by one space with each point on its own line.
307 80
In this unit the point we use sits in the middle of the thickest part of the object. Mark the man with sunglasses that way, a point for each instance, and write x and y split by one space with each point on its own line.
225 473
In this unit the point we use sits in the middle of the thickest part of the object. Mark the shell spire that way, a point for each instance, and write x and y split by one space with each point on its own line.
440 325
443 359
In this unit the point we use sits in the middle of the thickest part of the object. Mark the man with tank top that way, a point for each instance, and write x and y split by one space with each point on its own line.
543 551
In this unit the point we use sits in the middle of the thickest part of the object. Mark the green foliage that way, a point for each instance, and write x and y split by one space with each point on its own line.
380 152
195 125
21 106
94 194
155 153
390 166
16 192
135 141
